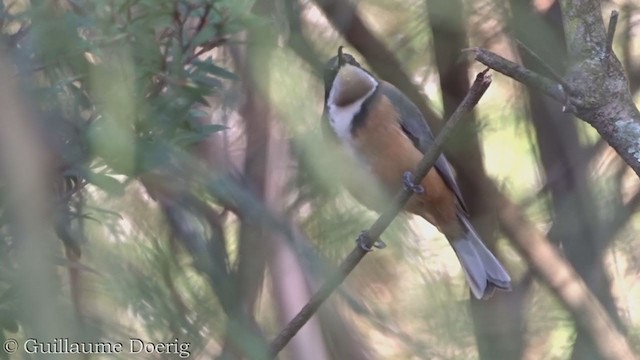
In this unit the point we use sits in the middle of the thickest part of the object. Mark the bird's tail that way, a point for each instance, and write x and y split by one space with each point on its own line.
483 271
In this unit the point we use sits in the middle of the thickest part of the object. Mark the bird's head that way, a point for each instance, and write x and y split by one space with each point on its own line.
345 81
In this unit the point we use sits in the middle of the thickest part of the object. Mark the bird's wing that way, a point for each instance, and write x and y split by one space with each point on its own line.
414 125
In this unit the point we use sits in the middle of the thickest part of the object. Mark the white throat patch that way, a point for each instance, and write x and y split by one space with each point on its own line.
341 117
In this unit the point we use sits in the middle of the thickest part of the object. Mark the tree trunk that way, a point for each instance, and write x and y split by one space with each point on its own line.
497 322
289 284
565 163
256 113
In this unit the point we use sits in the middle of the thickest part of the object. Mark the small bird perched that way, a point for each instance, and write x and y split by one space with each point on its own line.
386 134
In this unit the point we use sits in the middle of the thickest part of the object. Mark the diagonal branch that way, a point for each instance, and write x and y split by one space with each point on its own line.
520 73
476 91
563 281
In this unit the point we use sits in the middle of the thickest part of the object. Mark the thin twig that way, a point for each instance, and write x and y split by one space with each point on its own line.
526 76
201 23
476 91
203 19
613 22
548 69
207 46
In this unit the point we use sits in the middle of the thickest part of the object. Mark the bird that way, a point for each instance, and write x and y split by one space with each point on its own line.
386 136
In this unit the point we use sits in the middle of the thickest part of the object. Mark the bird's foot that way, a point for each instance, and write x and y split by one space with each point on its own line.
363 241
407 179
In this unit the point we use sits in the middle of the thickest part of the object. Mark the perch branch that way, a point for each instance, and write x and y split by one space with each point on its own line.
476 91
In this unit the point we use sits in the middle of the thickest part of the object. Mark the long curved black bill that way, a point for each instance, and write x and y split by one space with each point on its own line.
340 56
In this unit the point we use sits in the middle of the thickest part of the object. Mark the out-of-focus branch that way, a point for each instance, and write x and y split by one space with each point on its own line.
26 177
497 327
209 253
257 118
564 282
447 20
373 233
632 68
290 289
297 41
622 217
256 113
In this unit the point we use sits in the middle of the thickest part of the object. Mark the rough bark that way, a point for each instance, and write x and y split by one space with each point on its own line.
596 78
598 90
565 162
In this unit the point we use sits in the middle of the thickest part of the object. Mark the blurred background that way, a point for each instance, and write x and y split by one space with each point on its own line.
163 177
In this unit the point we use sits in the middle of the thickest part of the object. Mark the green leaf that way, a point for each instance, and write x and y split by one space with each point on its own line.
208 82
197 113
189 138
209 67
211 128
107 183
202 131
203 36
196 94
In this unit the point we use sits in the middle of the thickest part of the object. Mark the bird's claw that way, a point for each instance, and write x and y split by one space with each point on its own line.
363 240
410 185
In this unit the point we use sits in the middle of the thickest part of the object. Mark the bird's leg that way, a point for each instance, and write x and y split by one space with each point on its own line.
407 179
363 240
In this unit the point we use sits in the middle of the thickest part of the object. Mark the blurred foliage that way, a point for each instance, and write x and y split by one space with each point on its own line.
120 90
126 95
